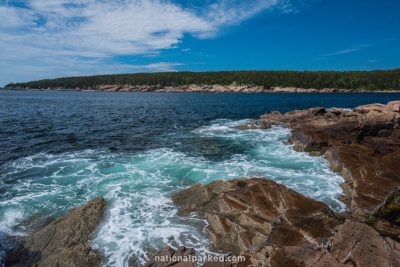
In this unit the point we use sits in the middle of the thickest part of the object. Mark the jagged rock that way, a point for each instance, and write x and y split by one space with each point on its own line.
355 244
274 117
393 106
251 216
254 125
170 257
63 242
362 144
12 250
359 244
182 257
248 126
394 248
217 264
302 256
370 107
387 219
274 226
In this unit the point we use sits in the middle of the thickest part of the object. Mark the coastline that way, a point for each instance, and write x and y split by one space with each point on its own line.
205 89
272 225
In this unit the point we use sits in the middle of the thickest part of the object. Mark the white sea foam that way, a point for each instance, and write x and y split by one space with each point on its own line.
10 219
140 216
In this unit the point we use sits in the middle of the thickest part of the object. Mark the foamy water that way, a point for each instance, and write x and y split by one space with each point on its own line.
140 216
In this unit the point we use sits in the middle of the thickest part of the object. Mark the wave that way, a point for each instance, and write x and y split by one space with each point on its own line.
140 217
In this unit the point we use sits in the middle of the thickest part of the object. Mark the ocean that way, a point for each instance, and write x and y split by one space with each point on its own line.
60 149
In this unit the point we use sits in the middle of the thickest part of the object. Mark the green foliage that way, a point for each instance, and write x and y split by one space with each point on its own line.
369 80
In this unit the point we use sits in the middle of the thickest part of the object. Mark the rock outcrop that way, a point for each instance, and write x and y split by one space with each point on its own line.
203 88
250 217
170 257
362 144
268 223
183 257
216 88
354 244
63 242
274 226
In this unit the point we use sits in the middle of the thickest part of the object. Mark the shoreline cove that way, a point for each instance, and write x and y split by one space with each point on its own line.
296 210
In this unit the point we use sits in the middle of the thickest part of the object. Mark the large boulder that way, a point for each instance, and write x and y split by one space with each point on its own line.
250 217
272 225
393 106
63 242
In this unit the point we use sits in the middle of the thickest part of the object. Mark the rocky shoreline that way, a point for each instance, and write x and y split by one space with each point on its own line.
266 222
63 242
272 225
213 88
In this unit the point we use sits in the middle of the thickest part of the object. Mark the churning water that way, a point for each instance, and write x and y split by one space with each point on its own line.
61 149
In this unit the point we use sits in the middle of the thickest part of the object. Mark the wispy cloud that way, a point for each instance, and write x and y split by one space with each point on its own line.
63 36
347 50
343 52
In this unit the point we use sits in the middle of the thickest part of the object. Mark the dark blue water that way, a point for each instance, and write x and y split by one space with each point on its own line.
61 149
55 122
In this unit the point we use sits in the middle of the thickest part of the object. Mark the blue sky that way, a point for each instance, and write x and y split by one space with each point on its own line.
46 39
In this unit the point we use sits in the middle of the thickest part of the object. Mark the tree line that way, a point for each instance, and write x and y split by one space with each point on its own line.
366 80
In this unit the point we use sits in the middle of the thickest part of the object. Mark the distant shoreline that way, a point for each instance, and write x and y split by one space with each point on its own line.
228 81
205 89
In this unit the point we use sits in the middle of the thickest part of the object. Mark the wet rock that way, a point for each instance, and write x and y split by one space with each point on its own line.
393 106
170 257
393 248
354 244
301 256
63 242
260 124
12 250
252 216
362 144
370 107
184 257
360 245
272 118
274 226
387 219
248 126
217 264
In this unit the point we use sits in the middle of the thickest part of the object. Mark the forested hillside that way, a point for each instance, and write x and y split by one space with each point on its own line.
367 80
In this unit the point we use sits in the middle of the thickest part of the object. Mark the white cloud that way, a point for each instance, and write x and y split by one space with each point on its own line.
343 52
9 18
50 37
228 12
348 50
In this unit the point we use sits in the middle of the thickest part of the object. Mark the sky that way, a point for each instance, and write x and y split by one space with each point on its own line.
57 38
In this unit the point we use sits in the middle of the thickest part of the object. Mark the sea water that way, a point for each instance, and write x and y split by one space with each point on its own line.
61 149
